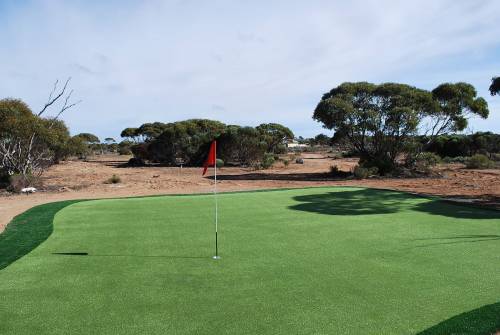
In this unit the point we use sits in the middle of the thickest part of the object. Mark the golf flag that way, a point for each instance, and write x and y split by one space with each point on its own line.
211 159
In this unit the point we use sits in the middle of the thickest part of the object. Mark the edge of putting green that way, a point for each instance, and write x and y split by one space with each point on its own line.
31 228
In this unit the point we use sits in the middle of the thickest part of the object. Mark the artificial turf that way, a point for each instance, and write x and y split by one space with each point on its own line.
303 261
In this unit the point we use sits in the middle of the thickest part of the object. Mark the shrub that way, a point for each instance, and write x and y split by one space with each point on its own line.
479 162
267 161
361 172
459 159
219 163
337 173
425 160
286 162
114 180
136 162
124 150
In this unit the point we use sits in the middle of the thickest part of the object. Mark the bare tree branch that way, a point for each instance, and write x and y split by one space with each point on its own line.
51 100
65 107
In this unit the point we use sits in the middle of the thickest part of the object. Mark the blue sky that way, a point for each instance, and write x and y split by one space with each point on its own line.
241 62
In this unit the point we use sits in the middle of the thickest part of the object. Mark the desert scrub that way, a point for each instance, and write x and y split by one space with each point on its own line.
337 173
424 161
479 161
267 161
360 172
113 180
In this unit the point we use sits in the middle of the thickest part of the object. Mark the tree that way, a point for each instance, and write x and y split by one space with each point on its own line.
76 146
124 147
276 136
185 141
377 120
89 138
17 126
243 145
30 142
149 131
322 139
130 134
495 86
454 104
109 140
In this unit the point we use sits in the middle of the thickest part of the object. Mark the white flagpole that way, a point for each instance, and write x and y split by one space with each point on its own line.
216 209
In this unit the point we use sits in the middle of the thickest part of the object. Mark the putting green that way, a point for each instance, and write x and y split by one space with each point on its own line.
303 261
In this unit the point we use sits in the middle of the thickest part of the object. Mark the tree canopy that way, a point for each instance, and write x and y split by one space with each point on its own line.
188 141
130 134
29 143
89 138
380 121
377 120
184 141
454 105
321 139
276 136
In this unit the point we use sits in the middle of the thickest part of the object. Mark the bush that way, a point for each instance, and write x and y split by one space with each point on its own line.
113 180
479 162
335 172
267 161
136 162
458 159
364 172
425 160
124 150
219 163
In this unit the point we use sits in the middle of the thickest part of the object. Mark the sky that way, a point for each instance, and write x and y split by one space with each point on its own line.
240 62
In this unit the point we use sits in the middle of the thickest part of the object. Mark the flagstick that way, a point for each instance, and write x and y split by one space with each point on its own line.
215 195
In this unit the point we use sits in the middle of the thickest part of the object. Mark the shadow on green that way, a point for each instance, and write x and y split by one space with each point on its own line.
482 321
28 230
373 201
458 239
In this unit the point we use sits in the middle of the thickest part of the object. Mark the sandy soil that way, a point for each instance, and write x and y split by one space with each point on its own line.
85 180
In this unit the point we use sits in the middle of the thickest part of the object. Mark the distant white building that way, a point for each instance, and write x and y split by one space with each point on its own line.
294 144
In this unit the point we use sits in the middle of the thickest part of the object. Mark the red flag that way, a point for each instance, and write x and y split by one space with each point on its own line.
211 157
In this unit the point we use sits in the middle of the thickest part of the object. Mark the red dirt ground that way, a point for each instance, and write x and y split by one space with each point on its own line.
86 180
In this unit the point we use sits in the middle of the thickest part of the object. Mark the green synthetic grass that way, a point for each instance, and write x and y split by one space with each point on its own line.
305 261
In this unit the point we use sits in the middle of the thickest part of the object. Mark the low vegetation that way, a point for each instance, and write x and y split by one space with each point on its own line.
114 179
186 142
479 161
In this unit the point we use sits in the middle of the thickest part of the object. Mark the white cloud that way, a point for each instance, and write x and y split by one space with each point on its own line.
239 62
